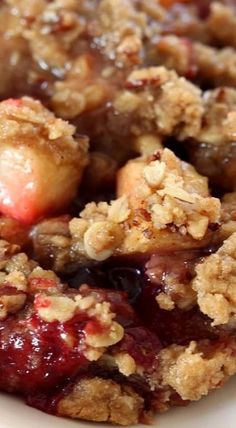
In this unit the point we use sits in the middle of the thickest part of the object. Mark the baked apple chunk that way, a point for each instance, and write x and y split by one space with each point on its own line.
41 163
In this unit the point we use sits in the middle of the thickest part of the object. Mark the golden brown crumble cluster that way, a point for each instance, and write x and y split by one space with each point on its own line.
119 117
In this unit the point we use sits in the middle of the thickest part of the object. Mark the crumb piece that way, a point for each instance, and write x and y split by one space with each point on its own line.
55 308
165 302
10 304
43 280
112 335
174 109
191 373
193 59
215 283
125 363
119 210
147 144
20 263
101 239
154 173
17 280
121 28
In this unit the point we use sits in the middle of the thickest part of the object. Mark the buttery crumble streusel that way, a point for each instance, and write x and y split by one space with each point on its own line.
119 118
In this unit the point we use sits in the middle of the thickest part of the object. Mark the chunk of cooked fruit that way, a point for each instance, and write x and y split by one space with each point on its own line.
41 163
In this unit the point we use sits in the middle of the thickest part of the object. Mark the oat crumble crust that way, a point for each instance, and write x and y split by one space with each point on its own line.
119 118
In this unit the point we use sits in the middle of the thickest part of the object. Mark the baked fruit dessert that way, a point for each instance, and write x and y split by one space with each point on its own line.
117 204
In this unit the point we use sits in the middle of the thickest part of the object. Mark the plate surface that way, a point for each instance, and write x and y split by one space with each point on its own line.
217 410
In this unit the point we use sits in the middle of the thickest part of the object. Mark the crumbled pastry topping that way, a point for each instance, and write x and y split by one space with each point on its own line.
19 276
219 104
215 283
178 201
122 20
17 280
101 239
102 400
147 144
193 373
20 263
111 337
27 118
194 59
158 90
173 193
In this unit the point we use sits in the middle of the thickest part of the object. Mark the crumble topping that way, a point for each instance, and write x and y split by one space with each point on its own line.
54 308
215 283
27 118
196 60
172 193
172 103
165 301
102 400
121 31
219 104
192 373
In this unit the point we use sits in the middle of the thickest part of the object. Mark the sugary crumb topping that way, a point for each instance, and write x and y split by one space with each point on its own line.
215 283
193 373
102 400
21 118
161 91
179 196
